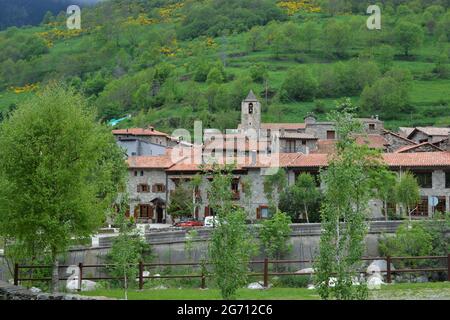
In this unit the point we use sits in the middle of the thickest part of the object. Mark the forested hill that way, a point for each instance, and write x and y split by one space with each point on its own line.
31 12
170 62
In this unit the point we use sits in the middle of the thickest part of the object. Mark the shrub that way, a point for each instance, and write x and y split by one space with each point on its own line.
293 281
299 85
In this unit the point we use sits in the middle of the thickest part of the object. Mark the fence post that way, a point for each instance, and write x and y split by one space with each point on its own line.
448 267
141 275
203 280
388 269
16 274
80 276
266 273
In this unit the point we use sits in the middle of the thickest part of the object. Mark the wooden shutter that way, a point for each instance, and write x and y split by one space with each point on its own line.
258 213
154 188
127 213
206 211
136 208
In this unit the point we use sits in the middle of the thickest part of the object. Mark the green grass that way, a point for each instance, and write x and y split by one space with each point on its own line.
394 291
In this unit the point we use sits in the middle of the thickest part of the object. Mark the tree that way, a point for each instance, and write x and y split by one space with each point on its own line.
274 185
274 234
181 202
231 244
127 250
306 192
385 183
337 37
407 192
57 189
299 85
384 55
388 96
348 181
48 17
408 35
309 32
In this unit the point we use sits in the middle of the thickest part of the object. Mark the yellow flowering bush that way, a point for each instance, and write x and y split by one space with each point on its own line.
294 6
168 12
141 20
24 89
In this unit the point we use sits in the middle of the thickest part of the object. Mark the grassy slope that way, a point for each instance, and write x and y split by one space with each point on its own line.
428 97
396 291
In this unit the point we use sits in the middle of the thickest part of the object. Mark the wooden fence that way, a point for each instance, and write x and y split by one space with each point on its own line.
203 275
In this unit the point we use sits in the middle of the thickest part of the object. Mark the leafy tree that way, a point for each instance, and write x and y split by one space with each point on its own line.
407 192
408 35
259 73
410 240
57 189
274 185
388 96
309 32
127 250
231 244
344 210
385 183
384 55
255 38
337 37
181 204
306 192
274 234
215 76
299 85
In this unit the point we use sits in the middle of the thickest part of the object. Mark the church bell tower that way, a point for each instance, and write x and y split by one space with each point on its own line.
251 113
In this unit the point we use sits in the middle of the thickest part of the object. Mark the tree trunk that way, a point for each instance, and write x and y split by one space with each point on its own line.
55 274
125 283
306 214
385 211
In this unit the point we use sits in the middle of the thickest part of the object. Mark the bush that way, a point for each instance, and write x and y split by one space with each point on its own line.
299 85
292 281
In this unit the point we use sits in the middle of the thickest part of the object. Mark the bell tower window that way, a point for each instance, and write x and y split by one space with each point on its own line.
250 108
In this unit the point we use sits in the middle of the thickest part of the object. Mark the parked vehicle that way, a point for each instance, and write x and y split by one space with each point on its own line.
211 222
188 223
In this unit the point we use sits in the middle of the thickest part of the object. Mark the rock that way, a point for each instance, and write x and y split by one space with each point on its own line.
422 279
255 286
378 266
35 290
374 282
146 273
305 271
86 285
311 287
332 282
160 287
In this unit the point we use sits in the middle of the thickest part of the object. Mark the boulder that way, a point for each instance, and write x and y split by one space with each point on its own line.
86 285
311 287
35 290
305 271
378 266
256 286
374 282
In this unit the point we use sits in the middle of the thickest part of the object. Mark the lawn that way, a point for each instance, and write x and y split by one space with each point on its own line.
426 291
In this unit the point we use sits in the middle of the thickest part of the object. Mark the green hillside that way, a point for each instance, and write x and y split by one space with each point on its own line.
168 63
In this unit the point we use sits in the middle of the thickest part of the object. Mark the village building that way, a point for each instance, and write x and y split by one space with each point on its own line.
298 148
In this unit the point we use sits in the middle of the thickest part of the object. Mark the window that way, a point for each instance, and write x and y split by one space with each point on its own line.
304 142
440 207
331 135
422 207
291 146
425 179
447 179
250 108
145 211
142 173
159 187
135 173
371 126
262 212
133 154
143 188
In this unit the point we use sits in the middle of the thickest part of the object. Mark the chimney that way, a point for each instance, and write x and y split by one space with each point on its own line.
376 117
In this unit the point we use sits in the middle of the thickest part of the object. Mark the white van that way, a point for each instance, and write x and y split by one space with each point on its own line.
210 222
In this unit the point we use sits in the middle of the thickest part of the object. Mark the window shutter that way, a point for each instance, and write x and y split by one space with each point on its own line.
206 211
154 188
127 213
163 188
258 213
136 208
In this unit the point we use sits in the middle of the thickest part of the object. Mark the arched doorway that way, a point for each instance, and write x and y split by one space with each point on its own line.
159 206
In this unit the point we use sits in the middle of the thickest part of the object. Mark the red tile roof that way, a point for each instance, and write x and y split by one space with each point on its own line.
139 132
418 159
409 148
374 141
279 126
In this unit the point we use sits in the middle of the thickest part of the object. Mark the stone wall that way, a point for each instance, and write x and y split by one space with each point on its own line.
12 292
